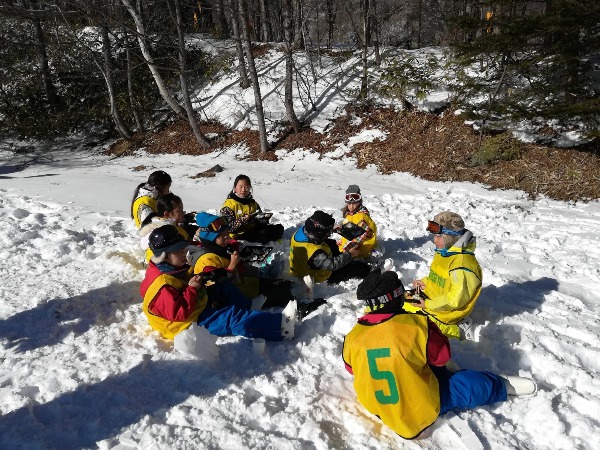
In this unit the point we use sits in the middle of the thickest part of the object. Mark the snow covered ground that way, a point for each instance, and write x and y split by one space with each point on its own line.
80 367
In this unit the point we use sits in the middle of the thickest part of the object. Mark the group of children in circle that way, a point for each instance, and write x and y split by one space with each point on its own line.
196 275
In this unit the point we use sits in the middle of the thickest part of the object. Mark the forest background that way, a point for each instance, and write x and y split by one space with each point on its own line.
128 70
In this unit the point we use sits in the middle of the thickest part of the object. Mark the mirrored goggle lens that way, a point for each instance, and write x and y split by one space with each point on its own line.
351 198
434 227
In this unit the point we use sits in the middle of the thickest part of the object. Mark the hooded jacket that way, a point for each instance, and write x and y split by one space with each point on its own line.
452 285
170 304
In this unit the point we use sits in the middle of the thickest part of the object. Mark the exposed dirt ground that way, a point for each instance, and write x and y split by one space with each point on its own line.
433 147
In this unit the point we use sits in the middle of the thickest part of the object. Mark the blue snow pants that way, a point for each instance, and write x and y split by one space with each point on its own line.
468 388
234 317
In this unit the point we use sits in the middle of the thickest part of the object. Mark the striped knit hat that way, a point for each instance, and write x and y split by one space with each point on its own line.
379 289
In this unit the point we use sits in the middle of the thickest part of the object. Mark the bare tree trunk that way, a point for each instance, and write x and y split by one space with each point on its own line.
40 46
191 114
260 115
364 86
122 128
332 9
235 25
141 36
264 21
298 21
222 31
289 66
375 31
132 101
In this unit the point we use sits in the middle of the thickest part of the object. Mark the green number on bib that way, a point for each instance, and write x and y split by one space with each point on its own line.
386 375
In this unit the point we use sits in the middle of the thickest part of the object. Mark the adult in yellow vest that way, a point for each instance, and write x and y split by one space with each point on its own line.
398 362
143 204
174 299
314 254
453 284
246 219
357 213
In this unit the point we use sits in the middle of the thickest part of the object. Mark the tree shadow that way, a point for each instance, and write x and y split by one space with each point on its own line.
94 412
50 322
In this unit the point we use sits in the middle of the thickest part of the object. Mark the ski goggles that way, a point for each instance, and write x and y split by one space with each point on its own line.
436 228
353 198
216 225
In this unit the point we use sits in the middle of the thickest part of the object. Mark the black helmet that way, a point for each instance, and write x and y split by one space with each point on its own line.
319 226
166 239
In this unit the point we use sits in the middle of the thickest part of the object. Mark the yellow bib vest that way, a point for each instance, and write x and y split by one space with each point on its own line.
249 286
240 210
300 253
438 284
144 200
367 246
166 327
392 378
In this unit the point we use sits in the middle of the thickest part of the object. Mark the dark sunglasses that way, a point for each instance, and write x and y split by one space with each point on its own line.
353 198
436 228
216 225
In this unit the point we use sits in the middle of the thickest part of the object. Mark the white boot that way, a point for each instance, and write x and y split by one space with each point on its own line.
258 302
288 319
309 282
519 385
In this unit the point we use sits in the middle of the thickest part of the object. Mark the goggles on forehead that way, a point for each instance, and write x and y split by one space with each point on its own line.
353 198
216 225
436 228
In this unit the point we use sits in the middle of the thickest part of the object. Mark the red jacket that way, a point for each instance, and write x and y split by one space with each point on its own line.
170 303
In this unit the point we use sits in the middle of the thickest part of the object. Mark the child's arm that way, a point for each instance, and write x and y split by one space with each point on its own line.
320 260
438 347
235 223
174 305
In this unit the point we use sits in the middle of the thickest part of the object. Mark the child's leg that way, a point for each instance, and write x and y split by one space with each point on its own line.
226 293
232 320
468 389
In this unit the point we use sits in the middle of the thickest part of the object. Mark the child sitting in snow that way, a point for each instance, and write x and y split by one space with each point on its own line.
217 251
169 211
245 218
398 362
312 254
355 212
145 195
174 299
454 281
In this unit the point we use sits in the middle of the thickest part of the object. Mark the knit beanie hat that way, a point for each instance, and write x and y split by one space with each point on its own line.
166 239
451 221
319 225
210 226
353 189
379 289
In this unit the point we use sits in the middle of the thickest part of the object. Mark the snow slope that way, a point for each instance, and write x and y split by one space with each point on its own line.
80 367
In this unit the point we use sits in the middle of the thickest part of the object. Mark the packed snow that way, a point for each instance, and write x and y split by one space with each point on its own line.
81 368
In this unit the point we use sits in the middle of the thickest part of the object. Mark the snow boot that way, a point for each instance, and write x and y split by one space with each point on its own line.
309 282
288 319
304 309
519 385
